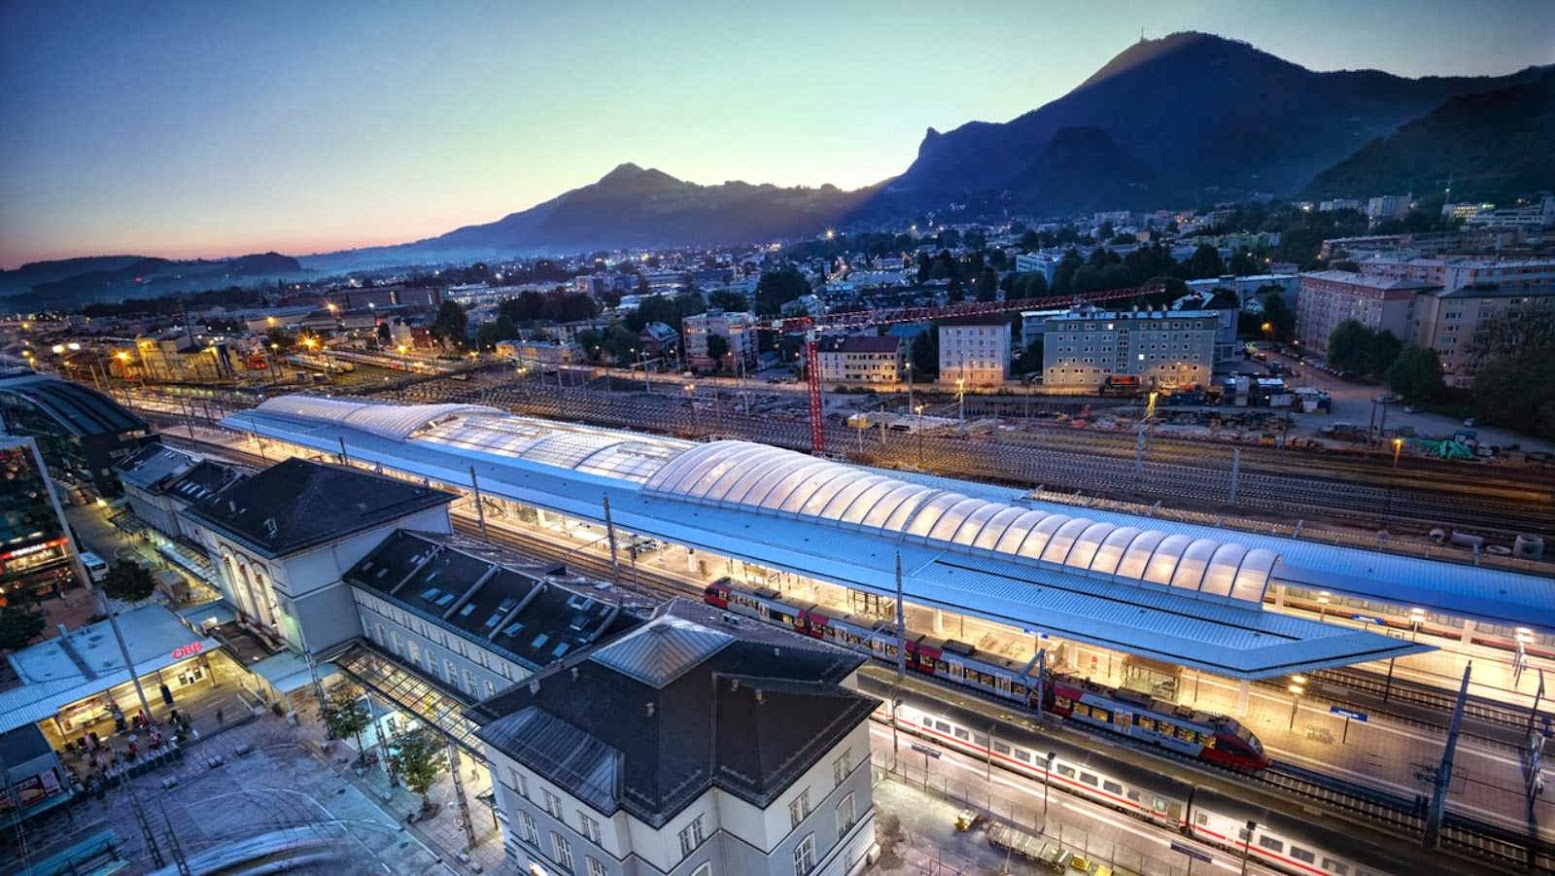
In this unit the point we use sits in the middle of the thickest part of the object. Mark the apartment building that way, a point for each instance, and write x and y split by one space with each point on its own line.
1447 320
1162 349
695 745
737 329
864 360
1328 298
1456 273
974 350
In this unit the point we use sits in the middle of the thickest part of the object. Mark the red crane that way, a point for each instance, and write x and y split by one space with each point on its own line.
811 325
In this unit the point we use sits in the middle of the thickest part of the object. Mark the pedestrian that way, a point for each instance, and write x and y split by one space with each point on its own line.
220 719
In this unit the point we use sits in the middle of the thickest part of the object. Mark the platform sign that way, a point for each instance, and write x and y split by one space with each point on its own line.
1367 619
926 751
1348 715
1192 853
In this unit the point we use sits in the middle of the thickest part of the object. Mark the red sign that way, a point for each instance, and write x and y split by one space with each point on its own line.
187 650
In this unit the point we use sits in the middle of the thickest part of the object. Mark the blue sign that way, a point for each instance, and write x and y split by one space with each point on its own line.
1368 619
1195 854
926 752
1348 714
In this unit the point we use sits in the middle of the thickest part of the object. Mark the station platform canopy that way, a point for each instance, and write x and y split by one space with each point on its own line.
1187 594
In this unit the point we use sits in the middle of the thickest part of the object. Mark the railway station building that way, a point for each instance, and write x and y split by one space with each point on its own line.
991 566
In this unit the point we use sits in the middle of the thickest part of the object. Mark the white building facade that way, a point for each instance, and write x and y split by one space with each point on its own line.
974 351
1162 349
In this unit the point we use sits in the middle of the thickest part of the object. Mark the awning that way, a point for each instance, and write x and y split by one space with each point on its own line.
409 692
128 522
208 614
287 672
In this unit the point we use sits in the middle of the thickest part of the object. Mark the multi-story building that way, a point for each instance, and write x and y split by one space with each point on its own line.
34 542
1388 207
737 329
177 360
1328 298
1537 214
475 624
974 350
1045 264
1246 288
1447 320
864 360
1457 272
541 354
159 483
81 432
1162 349
282 538
691 746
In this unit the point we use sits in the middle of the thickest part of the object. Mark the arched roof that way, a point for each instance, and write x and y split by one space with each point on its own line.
792 484
386 421
80 410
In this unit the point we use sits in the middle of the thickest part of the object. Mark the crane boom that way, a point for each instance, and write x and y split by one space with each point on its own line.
812 325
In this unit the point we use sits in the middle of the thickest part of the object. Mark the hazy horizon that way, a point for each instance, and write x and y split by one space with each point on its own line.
184 131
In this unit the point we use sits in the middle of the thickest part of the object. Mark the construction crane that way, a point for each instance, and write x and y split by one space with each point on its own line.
813 325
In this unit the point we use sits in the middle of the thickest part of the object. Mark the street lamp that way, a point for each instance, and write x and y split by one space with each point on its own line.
1416 616
1298 686
909 386
1398 445
1322 605
1047 779
919 412
1247 843
961 403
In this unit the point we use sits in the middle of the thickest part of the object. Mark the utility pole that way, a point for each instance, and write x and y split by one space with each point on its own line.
901 659
459 795
1433 821
480 511
610 532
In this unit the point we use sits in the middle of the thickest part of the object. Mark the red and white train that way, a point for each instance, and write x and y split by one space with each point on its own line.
1217 739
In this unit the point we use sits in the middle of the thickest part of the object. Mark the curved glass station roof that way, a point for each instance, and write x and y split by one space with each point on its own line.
755 476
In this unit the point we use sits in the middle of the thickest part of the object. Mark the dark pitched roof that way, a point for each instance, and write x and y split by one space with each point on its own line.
82 411
651 720
154 465
994 319
520 609
203 481
861 344
298 504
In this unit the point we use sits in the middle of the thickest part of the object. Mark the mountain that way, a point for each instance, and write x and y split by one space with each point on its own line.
1490 146
1198 116
31 274
631 207
108 277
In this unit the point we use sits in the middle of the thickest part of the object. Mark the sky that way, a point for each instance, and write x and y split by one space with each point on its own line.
200 129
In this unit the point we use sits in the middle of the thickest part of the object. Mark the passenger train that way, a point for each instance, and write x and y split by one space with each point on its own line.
1277 841
1216 739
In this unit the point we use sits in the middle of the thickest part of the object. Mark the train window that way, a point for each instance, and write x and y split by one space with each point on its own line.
1133 795
1088 779
1000 747
962 734
1023 755
1065 771
941 726
1271 844
1301 854
980 739
1209 742
1061 701
1200 819
927 721
1112 787
1339 868
1243 835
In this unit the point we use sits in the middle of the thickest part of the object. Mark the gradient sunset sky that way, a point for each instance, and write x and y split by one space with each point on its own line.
219 128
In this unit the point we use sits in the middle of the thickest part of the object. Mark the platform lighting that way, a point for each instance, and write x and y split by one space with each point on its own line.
1247 844
1298 686
1322 605
1398 445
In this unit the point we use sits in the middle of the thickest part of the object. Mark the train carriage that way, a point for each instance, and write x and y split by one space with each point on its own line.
1001 677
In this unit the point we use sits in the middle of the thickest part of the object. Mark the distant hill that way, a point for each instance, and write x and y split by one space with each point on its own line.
22 279
631 206
1490 146
109 277
1196 116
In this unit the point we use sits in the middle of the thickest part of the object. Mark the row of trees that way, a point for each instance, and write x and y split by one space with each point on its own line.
1514 383
417 757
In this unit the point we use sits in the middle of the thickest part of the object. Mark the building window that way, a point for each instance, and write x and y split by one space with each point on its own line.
595 868
842 767
691 836
589 827
526 828
553 804
520 784
846 817
561 851
804 856
799 808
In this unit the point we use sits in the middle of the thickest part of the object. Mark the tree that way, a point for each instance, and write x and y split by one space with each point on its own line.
1030 360
777 288
419 756
925 353
987 287
1347 346
1513 356
717 349
1203 264
490 333
1281 319
280 340
452 325
1381 353
1416 374
346 715
19 625
129 582
728 300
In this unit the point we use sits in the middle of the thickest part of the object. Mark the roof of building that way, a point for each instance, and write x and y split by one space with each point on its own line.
152 465
81 410
1186 593
203 481
870 344
1121 315
651 721
1373 281
992 320
533 613
297 504
1500 291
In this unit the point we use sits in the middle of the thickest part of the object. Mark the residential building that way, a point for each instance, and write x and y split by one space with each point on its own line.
1457 272
1246 288
1538 213
1033 324
1328 298
695 744
1384 207
475 624
81 433
860 359
1446 320
1161 349
281 539
974 350
1045 264
658 339
737 329
34 542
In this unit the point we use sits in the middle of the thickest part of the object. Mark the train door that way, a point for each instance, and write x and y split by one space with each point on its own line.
1123 722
